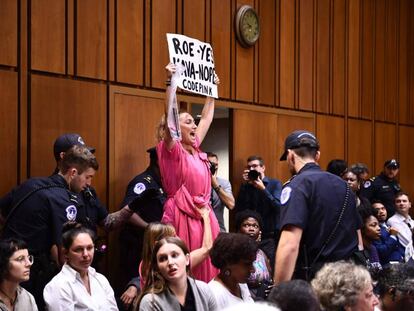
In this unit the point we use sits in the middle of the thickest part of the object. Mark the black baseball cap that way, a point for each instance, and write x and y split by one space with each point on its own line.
298 139
152 153
392 164
66 141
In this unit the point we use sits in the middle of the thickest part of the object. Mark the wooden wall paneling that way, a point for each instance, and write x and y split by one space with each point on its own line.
259 139
360 144
379 65
354 59
410 48
285 125
244 67
130 41
330 132
9 130
162 10
267 53
385 144
111 50
221 34
391 61
194 19
70 37
322 65
128 156
48 35
67 106
406 173
403 69
91 35
306 54
367 65
287 54
8 32
338 57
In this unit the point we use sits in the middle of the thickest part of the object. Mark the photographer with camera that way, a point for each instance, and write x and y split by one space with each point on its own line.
261 194
221 194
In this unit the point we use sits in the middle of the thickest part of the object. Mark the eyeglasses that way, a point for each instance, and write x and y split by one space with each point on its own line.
24 259
249 167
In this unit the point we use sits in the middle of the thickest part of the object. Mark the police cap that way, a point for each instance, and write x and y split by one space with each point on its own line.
66 141
299 138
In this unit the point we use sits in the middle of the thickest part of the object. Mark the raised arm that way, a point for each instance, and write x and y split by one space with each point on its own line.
198 255
169 94
206 115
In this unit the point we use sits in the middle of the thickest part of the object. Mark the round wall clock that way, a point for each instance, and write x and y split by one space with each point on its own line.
247 26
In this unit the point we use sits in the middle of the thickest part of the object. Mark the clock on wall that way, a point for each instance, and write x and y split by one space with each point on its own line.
247 26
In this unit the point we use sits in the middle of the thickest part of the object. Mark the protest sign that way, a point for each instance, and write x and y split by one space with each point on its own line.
196 58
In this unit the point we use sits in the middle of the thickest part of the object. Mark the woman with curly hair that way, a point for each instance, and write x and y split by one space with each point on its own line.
169 286
15 263
344 286
233 254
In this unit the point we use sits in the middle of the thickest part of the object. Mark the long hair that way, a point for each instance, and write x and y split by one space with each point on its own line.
153 233
155 282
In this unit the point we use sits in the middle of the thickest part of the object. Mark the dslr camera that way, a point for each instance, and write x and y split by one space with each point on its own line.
213 168
253 175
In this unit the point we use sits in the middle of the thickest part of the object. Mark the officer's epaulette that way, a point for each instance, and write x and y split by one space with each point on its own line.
373 178
290 179
148 179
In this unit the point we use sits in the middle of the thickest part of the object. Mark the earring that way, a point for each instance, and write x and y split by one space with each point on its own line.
227 273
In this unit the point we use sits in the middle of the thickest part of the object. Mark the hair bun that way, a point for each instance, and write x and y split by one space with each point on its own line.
69 225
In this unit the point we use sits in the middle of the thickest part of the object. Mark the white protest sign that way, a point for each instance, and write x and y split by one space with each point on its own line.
197 59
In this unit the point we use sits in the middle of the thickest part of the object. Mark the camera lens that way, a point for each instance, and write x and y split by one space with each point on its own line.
253 175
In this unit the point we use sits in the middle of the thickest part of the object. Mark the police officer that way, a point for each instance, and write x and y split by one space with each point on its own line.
146 197
318 219
40 207
91 212
384 187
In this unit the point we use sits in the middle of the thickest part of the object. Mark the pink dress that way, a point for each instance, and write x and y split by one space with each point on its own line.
187 182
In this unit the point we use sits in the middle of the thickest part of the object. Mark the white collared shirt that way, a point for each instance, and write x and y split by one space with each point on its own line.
66 291
405 234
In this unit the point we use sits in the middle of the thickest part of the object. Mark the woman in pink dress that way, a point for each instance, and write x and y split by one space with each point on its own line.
186 178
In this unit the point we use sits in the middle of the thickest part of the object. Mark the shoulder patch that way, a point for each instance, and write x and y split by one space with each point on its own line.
285 196
139 188
367 184
71 212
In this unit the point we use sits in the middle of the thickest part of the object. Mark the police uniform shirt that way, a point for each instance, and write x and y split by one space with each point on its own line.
312 201
145 196
90 211
39 219
382 189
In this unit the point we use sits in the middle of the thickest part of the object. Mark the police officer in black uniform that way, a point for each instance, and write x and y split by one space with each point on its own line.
40 207
146 197
314 203
384 187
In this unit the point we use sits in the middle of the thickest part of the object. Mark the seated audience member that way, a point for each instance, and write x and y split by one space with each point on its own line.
371 232
153 233
354 183
233 254
15 263
337 167
403 222
361 170
78 286
344 286
168 286
393 284
388 247
294 295
250 223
